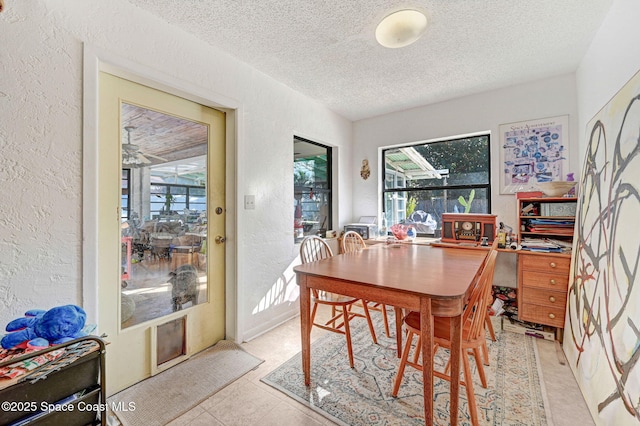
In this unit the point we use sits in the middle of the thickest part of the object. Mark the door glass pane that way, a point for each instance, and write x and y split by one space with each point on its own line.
164 214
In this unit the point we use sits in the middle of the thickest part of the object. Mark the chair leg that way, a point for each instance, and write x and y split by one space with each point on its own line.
489 325
385 319
468 384
368 316
416 354
341 314
403 364
487 320
347 333
313 313
333 315
398 316
483 378
485 353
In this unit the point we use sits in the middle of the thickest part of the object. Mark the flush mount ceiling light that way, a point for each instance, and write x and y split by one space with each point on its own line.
401 28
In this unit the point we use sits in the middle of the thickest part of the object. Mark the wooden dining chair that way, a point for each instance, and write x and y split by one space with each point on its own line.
487 319
352 242
485 352
313 249
473 337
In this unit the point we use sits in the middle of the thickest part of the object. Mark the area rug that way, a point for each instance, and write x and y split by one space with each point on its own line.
167 395
362 395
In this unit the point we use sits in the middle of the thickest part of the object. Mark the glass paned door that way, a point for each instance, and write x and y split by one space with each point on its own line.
165 157
160 285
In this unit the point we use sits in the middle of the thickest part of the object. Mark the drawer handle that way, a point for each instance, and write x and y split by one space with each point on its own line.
553 264
552 316
552 299
552 281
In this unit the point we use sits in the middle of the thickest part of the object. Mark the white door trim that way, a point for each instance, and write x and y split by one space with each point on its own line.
96 60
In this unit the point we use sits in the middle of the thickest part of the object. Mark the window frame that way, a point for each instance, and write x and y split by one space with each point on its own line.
157 214
385 191
125 195
328 192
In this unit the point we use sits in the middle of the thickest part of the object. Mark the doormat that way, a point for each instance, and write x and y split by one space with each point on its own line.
171 393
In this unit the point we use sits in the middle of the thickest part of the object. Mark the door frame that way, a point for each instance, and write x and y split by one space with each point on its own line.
96 60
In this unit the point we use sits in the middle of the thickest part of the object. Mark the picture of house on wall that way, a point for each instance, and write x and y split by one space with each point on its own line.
533 151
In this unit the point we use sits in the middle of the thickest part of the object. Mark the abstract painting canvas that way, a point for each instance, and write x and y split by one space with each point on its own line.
602 328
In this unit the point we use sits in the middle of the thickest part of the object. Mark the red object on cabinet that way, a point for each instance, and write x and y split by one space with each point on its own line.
126 273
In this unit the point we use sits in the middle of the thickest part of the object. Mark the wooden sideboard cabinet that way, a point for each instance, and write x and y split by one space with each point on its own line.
543 277
543 280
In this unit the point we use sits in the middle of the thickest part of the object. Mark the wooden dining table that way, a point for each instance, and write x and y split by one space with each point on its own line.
431 280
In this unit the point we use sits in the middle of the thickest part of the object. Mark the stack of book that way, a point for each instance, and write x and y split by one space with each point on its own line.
554 226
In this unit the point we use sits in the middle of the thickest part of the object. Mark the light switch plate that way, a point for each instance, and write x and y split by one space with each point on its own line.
249 202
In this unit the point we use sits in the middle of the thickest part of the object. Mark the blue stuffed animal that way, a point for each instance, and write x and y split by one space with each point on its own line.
40 329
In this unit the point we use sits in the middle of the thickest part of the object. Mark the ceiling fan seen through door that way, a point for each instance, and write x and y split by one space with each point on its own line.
131 155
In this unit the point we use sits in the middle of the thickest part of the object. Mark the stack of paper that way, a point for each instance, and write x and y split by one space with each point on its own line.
545 245
560 227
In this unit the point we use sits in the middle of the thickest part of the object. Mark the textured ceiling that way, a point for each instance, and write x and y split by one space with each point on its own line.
326 49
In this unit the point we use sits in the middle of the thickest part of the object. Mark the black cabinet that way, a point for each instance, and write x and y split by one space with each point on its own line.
68 390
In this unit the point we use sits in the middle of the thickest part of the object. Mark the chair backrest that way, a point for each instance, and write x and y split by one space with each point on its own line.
314 248
492 248
476 309
352 241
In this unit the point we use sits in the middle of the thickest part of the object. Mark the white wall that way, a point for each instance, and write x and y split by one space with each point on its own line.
483 112
41 166
612 59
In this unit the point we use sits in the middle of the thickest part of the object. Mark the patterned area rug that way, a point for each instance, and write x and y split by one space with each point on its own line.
362 395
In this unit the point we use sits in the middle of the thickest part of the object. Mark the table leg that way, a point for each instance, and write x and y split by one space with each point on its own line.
456 355
426 327
399 317
305 327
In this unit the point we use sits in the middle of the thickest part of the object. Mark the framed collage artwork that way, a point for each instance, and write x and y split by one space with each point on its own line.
533 151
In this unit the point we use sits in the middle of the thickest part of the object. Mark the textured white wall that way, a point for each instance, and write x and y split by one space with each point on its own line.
41 163
471 114
612 59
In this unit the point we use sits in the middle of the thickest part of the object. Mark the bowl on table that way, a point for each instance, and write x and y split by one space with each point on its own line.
400 231
556 188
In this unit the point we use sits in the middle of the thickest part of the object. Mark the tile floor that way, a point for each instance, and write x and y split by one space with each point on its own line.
249 401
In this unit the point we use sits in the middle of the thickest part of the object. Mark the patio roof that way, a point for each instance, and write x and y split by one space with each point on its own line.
412 164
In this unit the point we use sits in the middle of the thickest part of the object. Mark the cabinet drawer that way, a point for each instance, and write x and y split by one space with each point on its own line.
543 263
547 315
558 282
544 297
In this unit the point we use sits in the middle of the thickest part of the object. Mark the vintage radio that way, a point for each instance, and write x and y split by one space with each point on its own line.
461 227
